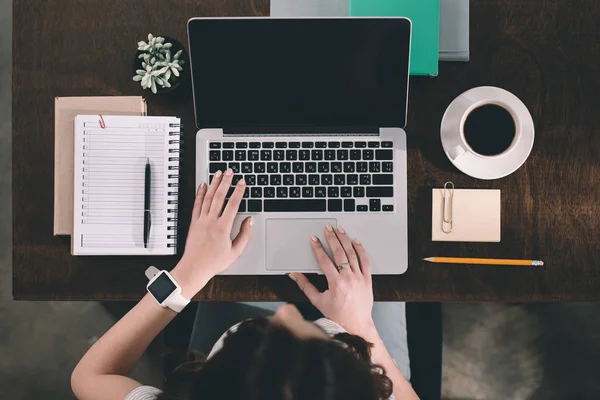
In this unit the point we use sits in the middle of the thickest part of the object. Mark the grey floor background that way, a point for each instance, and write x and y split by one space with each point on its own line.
491 351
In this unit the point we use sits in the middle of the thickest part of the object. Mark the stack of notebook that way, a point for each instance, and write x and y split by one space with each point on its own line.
100 176
425 17
440 27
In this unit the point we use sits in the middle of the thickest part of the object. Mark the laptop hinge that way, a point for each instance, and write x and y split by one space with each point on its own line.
301 130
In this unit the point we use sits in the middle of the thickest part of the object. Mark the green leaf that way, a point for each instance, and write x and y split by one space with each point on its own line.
140 71
175 71
150 36
168 74
145 80
159 81
178 54
137 78
153 86
167 45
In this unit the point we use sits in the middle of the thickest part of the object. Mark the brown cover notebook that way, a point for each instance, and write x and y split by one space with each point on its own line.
66 109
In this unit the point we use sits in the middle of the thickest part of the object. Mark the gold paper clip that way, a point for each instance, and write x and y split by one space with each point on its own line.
448 200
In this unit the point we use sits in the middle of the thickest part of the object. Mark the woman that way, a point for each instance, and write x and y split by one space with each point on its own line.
341 356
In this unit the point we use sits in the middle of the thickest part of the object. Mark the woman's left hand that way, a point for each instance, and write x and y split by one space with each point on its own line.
209 248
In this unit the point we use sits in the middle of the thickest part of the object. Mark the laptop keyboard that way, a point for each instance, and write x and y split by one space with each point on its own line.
309 176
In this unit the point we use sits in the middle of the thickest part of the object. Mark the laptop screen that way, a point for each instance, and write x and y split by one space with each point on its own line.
261 72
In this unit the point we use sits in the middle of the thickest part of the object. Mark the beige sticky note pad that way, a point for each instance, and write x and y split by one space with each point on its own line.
475 215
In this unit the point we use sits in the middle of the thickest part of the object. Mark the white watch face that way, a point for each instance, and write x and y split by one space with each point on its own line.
162 287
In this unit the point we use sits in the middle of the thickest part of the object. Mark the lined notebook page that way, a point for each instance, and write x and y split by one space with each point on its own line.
109 185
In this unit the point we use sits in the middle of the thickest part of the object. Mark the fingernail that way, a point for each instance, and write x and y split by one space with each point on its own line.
314 239
251 221
356 241
218 174
228 172
340 229
291 277
329 228
241 182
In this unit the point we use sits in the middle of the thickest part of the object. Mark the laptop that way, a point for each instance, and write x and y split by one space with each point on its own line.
310 112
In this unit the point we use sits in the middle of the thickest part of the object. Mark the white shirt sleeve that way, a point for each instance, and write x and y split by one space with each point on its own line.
144 393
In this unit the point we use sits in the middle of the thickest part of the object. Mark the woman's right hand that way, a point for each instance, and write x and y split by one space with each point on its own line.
349 299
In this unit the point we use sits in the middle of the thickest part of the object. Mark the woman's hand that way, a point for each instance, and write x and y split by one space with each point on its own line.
349 299
209 248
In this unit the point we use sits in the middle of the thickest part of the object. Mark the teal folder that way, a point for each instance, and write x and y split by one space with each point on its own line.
425 17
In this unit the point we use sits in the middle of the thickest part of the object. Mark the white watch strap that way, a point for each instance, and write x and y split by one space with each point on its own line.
177 302
151 272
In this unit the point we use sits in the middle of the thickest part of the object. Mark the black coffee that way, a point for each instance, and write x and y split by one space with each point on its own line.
489 129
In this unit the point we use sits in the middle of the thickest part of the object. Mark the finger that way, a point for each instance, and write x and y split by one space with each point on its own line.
243 237
365 265
339 255
347 246
210 193
233 205
311 292
218 201
200 193
324 261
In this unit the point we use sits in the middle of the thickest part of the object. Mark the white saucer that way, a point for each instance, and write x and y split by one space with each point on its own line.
488 167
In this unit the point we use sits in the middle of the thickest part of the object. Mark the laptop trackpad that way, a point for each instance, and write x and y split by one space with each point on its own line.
288 243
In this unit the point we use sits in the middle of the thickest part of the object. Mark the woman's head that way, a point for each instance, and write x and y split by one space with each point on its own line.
283 357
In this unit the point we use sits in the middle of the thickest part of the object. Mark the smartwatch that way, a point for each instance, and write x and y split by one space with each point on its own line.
165 289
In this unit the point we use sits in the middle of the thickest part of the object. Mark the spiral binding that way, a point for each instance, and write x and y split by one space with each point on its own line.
174 147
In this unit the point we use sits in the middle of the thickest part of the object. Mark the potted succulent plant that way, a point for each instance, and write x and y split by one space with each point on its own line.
158 64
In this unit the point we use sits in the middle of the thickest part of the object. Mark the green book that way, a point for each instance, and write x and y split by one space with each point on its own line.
425 17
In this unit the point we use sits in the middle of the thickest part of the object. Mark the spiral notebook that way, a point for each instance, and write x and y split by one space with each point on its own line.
110 160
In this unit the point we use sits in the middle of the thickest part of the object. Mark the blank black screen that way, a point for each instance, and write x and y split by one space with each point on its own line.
162 287
323 72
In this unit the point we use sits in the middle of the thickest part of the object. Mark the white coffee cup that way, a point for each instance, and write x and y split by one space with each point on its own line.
471 162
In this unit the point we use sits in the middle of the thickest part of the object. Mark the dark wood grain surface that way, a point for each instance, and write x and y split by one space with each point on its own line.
547 53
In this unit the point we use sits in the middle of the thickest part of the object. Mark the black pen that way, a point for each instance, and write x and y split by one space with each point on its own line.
147 216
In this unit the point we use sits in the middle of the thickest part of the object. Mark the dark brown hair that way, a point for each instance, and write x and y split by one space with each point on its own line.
263 361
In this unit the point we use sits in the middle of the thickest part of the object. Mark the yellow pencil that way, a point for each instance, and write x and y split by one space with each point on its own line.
484 261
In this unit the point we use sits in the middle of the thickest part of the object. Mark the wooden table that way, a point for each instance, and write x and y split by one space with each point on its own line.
547 53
